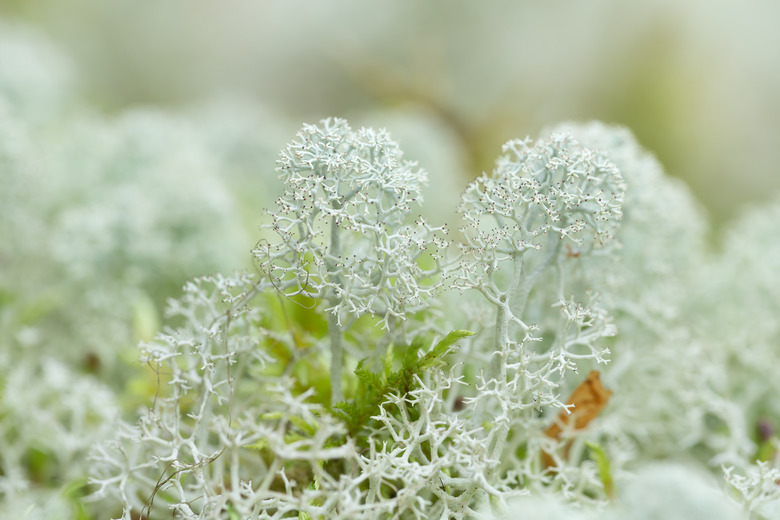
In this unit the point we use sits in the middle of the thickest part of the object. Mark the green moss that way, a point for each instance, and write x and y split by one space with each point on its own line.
373 387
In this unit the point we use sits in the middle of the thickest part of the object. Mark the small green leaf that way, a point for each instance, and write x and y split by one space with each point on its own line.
290 438
452 337
602 462
75 493
442 348
307 428
259 445
232 513
766 450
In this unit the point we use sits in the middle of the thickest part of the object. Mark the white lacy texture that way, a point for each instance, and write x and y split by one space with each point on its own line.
342 223
241 427
653 294
344 236
547 203
758 489
350 296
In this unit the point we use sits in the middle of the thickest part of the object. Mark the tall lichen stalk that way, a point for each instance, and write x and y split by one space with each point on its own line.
344 231
541 197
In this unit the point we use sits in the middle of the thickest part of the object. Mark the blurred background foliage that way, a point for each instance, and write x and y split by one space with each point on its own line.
696 82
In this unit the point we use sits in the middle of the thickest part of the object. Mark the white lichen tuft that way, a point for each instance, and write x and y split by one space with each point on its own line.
340 380
343 224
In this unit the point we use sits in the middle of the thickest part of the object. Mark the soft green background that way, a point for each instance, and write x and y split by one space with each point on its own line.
697 81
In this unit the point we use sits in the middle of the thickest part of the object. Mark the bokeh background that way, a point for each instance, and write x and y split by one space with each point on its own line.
696 81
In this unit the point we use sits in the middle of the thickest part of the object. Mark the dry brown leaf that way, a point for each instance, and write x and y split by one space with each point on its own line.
589 399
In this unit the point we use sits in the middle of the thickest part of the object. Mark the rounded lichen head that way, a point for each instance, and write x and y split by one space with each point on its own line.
551 187
343 222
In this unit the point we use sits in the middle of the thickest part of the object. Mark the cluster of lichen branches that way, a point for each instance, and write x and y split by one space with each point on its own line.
408 424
